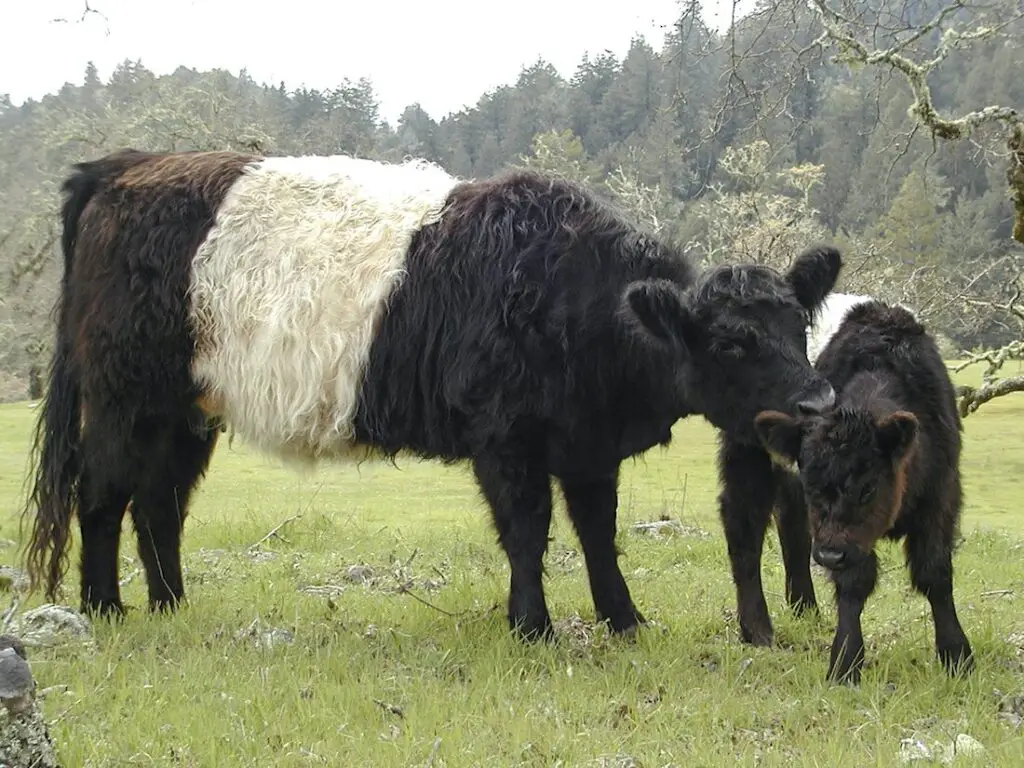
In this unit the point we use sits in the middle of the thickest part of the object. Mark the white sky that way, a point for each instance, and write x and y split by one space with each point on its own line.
443 53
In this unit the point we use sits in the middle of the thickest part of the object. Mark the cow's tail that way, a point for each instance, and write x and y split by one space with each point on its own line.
55 454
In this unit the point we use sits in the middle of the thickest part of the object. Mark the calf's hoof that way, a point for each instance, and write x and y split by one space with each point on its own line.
957 658
849 676
805 607
845 664
757 636
532 629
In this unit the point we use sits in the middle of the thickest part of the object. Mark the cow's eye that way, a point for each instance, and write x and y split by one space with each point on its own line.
867 493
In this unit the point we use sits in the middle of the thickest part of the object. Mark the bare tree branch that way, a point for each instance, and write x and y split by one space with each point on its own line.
916 73
971 398
841 30
992 387
86 11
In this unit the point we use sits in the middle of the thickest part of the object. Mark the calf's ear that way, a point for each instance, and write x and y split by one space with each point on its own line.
813 275
656 309
780 434
897 433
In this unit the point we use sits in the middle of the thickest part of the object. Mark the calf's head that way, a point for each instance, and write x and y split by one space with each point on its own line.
853 469
740 338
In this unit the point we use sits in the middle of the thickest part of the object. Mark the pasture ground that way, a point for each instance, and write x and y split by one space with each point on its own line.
287 655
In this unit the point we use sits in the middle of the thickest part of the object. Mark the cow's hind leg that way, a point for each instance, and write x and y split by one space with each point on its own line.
515 483
929 555
592 504
104 489
179 458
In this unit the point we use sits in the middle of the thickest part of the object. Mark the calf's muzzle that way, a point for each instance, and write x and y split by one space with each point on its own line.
833 559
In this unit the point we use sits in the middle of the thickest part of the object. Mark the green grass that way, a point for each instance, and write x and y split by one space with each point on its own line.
192 689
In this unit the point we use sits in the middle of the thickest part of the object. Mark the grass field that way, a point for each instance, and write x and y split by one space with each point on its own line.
413 665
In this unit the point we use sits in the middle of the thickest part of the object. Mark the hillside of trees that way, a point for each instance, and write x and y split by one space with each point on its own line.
744 146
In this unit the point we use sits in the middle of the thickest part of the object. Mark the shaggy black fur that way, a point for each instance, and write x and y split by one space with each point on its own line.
748 480
884 463
536 333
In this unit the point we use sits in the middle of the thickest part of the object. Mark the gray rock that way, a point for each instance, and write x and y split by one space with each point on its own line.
50 625
16 684
359 574
265 637
12 579
616 761
669 527
25 741
912 750
967 745
13 642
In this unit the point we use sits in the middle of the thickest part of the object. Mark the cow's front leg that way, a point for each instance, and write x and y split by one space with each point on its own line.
745 505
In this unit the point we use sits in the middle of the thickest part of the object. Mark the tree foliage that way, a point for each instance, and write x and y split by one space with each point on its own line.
889 126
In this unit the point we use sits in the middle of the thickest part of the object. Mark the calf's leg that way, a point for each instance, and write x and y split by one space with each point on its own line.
592 503
853 586
795 539
516 485
929 557
745 506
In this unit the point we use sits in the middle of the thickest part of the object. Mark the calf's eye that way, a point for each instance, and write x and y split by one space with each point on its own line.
866 494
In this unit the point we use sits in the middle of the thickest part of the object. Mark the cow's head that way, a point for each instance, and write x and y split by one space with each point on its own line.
853 469
739 335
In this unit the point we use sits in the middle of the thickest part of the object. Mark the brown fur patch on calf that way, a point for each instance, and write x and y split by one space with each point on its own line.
899 486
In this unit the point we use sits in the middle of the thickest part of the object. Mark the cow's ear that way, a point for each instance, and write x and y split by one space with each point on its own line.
897 434
813 275
780 434
656 309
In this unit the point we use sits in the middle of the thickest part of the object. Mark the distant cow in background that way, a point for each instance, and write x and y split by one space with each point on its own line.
336 308
884 463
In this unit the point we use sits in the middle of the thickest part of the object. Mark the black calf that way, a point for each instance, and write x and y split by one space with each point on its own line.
883 463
